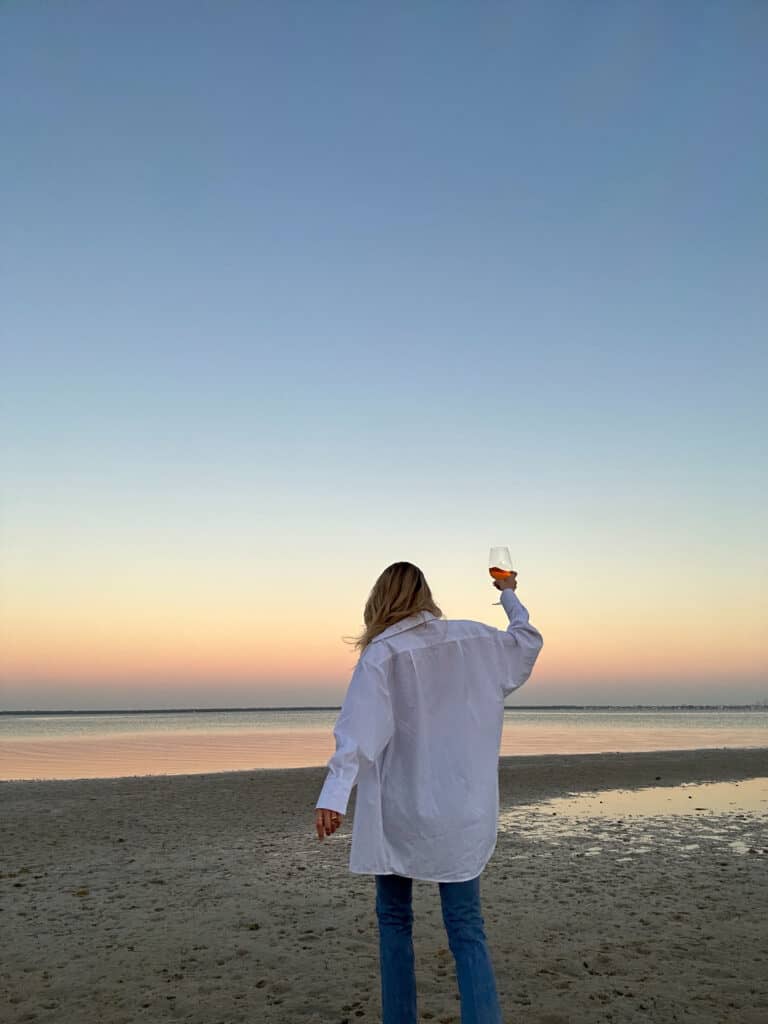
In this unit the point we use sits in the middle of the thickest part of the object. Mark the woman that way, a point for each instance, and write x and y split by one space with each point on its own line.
419 733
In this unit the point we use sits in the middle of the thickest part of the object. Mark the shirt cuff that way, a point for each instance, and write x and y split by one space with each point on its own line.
509 598
333 796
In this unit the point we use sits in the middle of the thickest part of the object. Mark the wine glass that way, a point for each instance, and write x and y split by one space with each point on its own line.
500 565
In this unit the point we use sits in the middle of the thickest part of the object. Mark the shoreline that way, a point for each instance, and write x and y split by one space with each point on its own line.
543 774
337 707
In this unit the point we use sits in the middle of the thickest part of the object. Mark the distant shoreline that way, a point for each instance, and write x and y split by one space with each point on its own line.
337 707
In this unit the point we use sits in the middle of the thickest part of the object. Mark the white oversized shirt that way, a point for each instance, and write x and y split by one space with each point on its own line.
419 732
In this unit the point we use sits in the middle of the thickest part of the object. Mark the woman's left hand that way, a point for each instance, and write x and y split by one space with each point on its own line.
326 821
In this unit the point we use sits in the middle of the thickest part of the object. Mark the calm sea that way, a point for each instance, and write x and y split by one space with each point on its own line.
111 744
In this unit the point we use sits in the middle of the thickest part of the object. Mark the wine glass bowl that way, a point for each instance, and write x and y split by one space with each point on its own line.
500 564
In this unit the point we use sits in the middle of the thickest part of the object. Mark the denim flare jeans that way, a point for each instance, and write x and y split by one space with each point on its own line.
464 926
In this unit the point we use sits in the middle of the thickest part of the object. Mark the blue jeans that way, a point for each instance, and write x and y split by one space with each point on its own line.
466 938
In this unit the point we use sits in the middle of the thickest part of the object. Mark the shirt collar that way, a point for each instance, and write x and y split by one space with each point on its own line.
407 623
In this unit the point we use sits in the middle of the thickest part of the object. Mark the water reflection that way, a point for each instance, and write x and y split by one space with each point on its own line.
102 757
160 743
727 817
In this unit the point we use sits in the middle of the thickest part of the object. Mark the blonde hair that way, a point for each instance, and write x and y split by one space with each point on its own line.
401 590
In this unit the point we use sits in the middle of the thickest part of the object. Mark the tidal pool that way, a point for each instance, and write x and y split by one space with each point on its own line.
693 819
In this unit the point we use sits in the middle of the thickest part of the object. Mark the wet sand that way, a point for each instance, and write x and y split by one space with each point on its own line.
209 899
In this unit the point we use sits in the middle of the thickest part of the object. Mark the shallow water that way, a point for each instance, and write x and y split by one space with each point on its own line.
723 818
107 745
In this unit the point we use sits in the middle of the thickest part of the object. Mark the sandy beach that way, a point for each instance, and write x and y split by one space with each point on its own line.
209 899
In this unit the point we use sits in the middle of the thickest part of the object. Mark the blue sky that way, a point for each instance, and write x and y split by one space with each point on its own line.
348 283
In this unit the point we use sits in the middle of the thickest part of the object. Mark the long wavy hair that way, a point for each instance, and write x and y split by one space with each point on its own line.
401 590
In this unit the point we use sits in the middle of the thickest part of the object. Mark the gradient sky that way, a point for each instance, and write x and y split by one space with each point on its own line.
293 291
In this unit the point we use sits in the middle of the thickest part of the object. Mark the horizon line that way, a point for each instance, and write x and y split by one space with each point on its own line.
336 707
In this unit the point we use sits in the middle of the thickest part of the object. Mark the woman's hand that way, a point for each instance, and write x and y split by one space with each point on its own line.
510 583
326 822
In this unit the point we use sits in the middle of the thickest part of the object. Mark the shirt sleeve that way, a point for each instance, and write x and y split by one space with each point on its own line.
363 728
520 643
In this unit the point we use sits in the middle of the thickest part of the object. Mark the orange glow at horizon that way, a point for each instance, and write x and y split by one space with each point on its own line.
97 643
